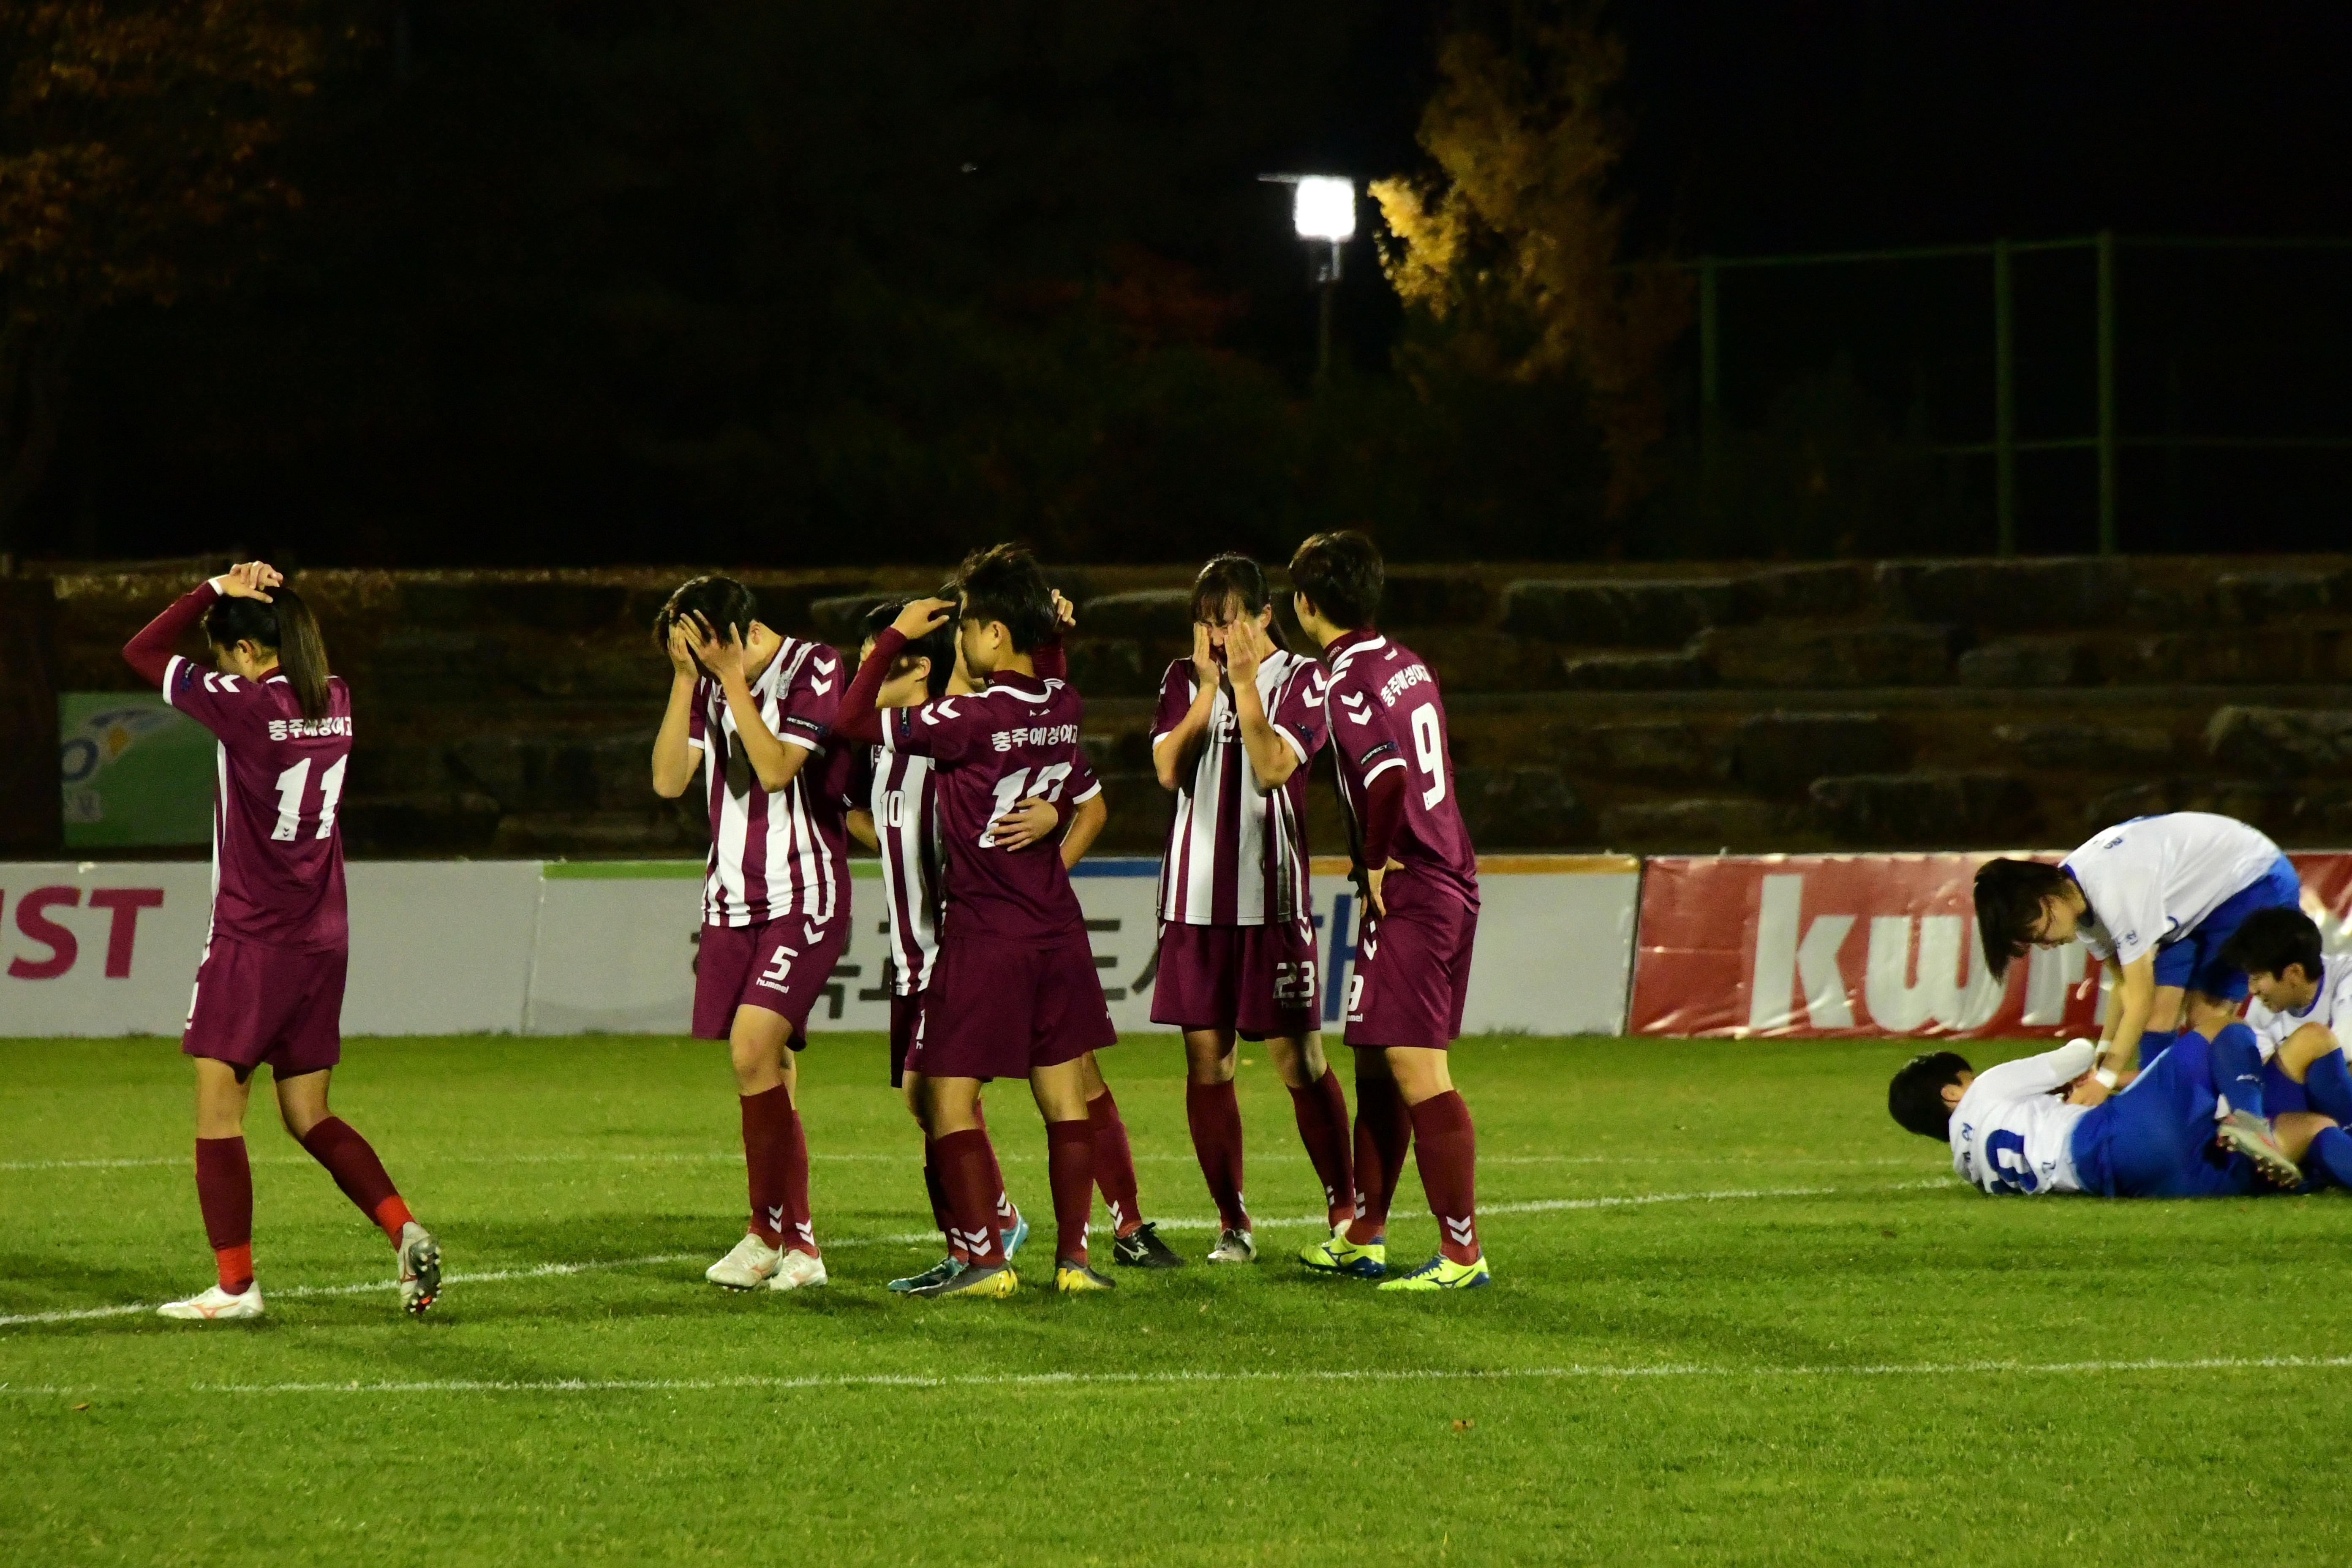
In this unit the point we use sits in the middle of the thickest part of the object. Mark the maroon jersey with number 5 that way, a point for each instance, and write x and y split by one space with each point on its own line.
277 848
1385 713
992 750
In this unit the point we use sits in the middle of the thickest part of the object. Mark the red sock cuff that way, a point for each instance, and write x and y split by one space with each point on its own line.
236 1267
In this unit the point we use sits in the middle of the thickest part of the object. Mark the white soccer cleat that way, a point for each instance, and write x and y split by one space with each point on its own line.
420 1270
1234 1247
215 1306
796 1270
747 1267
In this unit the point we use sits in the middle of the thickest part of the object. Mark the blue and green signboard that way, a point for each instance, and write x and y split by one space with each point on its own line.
135 771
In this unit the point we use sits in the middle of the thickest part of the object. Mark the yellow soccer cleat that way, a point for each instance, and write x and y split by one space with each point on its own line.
972 1284
1076 1278
1442 1273
1355 1259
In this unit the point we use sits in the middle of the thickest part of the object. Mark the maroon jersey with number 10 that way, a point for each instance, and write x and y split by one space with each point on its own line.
1385 715
994 749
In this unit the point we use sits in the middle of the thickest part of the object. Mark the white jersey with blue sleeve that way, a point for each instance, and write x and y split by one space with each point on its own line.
2153 879
2011 1134
2331 1009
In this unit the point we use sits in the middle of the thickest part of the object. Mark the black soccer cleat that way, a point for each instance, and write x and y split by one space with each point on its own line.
1142 1248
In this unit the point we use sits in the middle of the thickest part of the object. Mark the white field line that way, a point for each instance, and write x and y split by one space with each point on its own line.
918 1239
1056 1380
1017 1157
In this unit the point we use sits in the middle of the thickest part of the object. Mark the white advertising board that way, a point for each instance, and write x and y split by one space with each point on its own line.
444 947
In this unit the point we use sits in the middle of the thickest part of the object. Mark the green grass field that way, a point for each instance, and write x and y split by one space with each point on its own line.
1738 1317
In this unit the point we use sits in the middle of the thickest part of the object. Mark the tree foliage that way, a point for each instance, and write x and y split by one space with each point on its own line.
1511 245
130 135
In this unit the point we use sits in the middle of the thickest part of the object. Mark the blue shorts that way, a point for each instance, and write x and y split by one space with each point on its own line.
2154 1140
2193 959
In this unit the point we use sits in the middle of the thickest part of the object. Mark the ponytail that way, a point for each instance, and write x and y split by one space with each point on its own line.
286 626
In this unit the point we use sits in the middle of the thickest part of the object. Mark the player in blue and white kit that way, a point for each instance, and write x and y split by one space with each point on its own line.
2043 1125
2158 898
2302 1005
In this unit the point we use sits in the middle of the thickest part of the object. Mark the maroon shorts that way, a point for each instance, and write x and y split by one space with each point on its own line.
1254 980
257 1004
1003 1009
1412 967
906 1017
781 965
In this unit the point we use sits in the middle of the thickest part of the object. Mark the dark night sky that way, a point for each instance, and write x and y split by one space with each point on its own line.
583 279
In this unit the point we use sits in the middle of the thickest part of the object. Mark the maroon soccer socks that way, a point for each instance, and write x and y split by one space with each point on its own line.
1070 1166
353 1163
225 1193
776 1165
966 1167
1114 1164
1383 1129
1321 1110
1214 1116
1446 1147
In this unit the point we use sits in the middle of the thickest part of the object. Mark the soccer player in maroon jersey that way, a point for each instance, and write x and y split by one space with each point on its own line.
1238 724
751 707
270 985
1014 992
1420 894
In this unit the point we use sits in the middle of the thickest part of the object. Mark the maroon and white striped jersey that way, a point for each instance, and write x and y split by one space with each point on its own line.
277 850
1386 713
992 750
782 852
1236 854
901 795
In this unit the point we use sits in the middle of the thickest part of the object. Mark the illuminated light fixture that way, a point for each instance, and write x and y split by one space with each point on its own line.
1323 211
1324 207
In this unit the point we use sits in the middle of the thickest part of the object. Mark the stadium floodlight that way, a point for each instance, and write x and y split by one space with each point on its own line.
1324 207
1323 211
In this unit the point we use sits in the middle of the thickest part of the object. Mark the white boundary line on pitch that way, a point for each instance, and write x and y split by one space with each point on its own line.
1051 1380
917 1238
735 1156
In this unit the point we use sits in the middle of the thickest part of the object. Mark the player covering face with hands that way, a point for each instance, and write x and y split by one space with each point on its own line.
1238 724
269 987
750 709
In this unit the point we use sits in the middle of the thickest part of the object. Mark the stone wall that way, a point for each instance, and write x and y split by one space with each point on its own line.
1896 703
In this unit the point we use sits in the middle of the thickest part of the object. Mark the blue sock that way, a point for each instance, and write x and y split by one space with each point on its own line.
2152 1044
2330 1152
2328 1086
2238 1068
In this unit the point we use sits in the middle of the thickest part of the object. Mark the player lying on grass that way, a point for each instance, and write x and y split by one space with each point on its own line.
269 987
751 708
2158 896
2046 1124
1421 912
1014 992
902 824
2301 997
1239 723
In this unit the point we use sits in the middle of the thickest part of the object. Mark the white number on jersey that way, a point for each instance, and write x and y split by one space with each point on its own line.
1428 748
289 797
1015 787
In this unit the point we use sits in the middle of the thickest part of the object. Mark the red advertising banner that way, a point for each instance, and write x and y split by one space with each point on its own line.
1868 946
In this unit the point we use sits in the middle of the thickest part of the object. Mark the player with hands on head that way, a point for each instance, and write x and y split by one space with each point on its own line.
269 987
1238 724
750 709
1405 1000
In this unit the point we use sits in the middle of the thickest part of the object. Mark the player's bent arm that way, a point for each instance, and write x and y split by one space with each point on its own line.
861 827
2127 1014
1272 757
775 762
1087 819
674 759
1174 752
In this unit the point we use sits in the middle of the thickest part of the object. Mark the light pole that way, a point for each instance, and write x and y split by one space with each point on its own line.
1323 211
